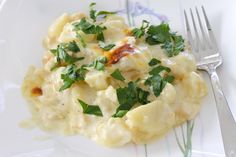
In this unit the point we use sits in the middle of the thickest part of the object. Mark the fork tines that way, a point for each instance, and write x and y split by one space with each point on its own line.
207 36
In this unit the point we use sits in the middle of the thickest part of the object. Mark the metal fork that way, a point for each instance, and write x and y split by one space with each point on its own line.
208 57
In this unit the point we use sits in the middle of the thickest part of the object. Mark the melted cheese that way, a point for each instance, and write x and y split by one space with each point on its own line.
61 112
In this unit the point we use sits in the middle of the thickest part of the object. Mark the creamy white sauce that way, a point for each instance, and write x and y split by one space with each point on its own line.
61 112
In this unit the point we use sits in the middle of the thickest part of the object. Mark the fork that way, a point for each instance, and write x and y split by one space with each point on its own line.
209 58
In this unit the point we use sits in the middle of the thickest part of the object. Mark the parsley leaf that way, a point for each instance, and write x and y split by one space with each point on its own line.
158 34
72 46
99 63
106 47
142 96
100 36
89 28
157 82
153 62
70 75
174 46
169 78
81 39
120 113
139 32
90 109
128 97
161 34
63 57
93 13
85 26
158 69
117 75
105 13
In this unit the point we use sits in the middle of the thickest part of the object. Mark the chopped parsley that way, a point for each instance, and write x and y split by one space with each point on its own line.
117 75
72 46
158 69
94 14
158 34
99 64
128 97
81 39
72 74
139 32
89 28
120 113
169 78
142 96
174 46
153 62
156 81
161 34
62 56
90 109
106 47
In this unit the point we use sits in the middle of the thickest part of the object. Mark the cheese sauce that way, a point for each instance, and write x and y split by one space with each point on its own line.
61 112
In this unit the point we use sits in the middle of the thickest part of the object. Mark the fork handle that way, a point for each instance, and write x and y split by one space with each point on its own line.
227 123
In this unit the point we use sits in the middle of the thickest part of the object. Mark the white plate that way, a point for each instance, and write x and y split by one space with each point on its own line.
23 25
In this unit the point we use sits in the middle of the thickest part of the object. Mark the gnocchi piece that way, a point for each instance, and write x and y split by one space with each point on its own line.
113 133
191 90
107 101
115 28
97 79
168 95
57 27
181 64
150 120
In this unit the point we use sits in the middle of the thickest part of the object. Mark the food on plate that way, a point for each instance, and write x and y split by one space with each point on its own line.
113 83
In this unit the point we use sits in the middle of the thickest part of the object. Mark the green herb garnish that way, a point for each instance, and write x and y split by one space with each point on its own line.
117 75
174 46
158 69
120 113
89 28
142 96
128 97
71 75
90 109
153 62
72 46
139 32
106 47
94 14
157 82
169 78
161 34
99 63
83 43
158 34
63 58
